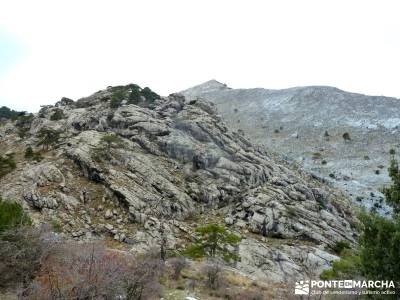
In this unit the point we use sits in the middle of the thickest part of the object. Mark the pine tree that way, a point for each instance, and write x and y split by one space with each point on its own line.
392 193
214 242
48 137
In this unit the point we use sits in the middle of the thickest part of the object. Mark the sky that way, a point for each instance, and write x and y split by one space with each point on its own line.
50 49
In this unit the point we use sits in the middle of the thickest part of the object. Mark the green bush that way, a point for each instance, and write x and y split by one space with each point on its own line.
23 125
392 193
7 164
56 226
340 246
345 268
32 155
380 247
117 97
21 254
149 95
58 114
48 137
12 215
6 113
214 241
135 94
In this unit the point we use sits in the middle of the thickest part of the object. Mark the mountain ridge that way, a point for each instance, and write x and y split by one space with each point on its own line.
116 171
301 121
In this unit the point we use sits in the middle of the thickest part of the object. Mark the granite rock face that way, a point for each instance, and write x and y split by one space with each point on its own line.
175 163
305 125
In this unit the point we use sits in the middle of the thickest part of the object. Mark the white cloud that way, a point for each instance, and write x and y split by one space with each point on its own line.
74 48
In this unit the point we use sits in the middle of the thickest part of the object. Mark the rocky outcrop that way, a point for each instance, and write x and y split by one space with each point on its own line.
171 164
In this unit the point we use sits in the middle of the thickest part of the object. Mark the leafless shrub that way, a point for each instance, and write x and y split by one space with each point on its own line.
141 279
212 269
90 271
21 253
178 264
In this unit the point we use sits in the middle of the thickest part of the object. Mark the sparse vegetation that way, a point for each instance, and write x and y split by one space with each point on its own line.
316 155
23 124
134 94
56 225
32 155
12 215
9 114
111 140
116 98
178 264
7 164
149 95
340 246
57 115
21 251
48 137
346 137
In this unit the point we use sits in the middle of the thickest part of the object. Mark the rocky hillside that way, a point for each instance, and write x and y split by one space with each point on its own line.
307 124
115 164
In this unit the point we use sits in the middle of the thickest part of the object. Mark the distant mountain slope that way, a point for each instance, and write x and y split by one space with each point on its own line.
307 124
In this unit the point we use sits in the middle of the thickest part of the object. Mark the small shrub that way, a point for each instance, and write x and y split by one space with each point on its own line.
48 137
149 95
346 136
213 270
21 250
316 155
377 172
340 246
56 226
58 114
23 124
324 162
32 155
178 264
346 267
91 271
276 131
12 215
366 157
111 140
7 164
135 95
6 113
116 98
214 242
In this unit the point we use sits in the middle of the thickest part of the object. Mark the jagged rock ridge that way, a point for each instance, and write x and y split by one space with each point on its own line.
177 161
